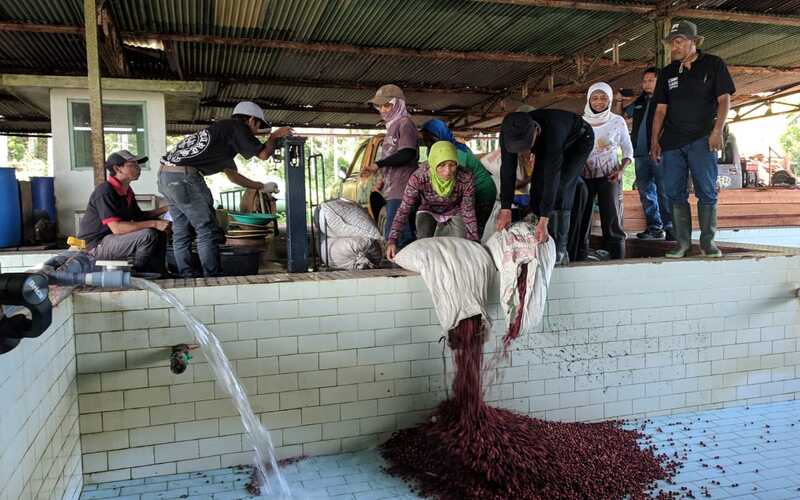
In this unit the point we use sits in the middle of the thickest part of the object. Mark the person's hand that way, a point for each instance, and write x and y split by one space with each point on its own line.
162 225
372 168
655 152
503 219
540 234
715 141
280 133
391 251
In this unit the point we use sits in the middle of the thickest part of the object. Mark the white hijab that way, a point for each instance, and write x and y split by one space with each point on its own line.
597 119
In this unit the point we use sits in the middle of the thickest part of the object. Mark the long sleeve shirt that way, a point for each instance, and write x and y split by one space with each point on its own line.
558 130
609 139
419 194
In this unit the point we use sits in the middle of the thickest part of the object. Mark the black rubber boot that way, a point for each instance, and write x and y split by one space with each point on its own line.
561 236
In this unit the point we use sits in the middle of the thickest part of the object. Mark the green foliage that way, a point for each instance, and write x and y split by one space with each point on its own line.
790 142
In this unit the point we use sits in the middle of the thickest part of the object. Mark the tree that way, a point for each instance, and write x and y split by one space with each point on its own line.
790 142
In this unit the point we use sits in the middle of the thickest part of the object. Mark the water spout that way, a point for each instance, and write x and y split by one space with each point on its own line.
272 480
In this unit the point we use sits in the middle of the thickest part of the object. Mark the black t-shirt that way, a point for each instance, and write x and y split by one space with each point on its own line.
213 149
107 205
559 129
691 96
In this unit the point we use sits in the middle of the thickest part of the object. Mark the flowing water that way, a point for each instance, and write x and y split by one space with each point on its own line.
272 482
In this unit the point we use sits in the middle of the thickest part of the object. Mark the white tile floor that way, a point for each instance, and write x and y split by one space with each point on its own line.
742 453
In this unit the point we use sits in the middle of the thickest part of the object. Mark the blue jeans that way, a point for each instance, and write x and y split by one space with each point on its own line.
191 206
695 158
652 194
407 236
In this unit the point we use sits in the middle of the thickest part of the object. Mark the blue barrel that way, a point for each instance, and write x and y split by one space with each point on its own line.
43 196
10 215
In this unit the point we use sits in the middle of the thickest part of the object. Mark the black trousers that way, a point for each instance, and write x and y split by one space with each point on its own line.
575 155
608 199
577 246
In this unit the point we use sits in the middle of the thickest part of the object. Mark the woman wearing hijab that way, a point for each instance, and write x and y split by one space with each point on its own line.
603 171
443 194
485 188
400 154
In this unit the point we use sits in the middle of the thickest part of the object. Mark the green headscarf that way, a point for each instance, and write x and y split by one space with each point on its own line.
440 152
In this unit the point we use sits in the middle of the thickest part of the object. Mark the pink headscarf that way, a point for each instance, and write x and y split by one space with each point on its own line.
398 111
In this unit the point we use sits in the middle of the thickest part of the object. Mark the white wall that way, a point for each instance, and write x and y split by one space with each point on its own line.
338 364
73 187
40 455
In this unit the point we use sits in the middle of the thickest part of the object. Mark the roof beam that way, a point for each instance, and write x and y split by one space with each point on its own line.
642 9
339 48
737 17
347 110
651 10
111 43
79 82
342 48
428 88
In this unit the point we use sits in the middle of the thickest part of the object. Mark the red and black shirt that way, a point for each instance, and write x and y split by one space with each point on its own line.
110 202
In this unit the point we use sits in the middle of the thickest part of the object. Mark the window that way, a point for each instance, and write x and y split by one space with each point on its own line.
123 126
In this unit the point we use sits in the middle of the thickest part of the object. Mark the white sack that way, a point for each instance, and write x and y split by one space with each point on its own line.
456 271
510 249
352 253
344 218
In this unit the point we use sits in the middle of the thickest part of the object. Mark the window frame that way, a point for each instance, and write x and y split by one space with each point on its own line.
117 102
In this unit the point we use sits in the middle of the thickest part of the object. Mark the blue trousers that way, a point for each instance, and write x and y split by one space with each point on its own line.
652 193
407 236
697 159
191 206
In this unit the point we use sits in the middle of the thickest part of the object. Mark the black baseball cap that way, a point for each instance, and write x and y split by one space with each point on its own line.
517 132
685 29
119 158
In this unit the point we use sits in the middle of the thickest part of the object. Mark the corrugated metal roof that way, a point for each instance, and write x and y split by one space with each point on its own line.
454 25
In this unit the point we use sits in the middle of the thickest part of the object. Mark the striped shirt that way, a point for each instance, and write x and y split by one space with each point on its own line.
419 193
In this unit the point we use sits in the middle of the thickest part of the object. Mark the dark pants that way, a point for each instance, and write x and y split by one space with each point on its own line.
575 155
652 193
607 193
577 247
407 235
428 227
191 206
147 248
482 212
695 158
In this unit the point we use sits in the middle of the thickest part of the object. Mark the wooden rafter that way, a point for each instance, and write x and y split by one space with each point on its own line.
110 48
647 10
344 109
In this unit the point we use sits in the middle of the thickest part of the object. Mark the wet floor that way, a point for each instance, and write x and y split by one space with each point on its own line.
743 453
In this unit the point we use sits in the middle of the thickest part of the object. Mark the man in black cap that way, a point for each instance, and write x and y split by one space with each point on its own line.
560 142
693 97
115 228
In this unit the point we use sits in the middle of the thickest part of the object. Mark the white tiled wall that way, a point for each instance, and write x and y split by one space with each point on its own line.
338 365
40 454
19 262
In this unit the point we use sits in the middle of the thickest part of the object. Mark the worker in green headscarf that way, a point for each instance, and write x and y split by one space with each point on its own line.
443 194
485 188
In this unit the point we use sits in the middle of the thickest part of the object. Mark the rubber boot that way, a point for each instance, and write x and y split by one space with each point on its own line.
682 229
707 215
616 250
561 235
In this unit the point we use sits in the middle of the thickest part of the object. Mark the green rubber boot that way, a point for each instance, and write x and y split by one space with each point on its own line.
707 215
682 228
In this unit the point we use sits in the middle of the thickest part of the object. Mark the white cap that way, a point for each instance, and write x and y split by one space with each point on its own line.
248 108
